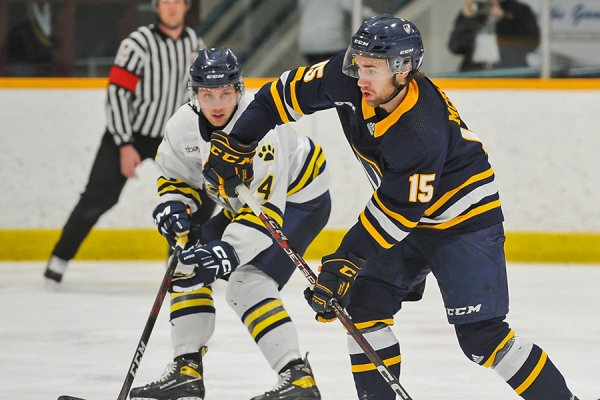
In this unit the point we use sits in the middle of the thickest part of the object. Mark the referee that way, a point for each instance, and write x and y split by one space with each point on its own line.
147 84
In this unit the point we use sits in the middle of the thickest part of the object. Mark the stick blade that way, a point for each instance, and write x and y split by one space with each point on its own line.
69 398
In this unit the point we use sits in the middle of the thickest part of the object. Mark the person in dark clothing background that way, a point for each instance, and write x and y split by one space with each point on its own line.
146 85
31 42
507 28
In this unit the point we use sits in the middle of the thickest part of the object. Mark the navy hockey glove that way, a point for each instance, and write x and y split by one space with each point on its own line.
337 274
214 260
229 163
172 219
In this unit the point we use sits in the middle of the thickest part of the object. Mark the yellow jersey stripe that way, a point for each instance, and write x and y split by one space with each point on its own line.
470 214
295 104
373 232
309 172
164 181
490 360
189 191
371 367
246 214
394 215
278 103
449 194
534 374
176 185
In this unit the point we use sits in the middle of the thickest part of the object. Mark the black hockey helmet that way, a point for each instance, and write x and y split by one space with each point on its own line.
188 3
215 68
386 37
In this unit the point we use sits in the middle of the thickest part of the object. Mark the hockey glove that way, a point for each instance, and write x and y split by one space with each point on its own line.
229 163
326 316
337 274
214 260
172 219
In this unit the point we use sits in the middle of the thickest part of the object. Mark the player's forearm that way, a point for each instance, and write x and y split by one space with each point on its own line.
359 242
258 119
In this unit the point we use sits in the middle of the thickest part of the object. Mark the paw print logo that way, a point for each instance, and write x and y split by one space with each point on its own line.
267 152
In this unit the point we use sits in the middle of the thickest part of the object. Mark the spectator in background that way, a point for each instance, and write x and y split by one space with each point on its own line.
31 43
325 27
494 34
147 84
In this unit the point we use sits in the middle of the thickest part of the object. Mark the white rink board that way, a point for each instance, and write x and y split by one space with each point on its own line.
543 147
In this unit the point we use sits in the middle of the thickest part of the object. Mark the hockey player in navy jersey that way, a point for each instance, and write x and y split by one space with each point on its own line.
292 183
435 207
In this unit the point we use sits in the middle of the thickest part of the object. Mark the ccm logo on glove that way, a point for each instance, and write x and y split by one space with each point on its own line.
206 258
338 273
213 260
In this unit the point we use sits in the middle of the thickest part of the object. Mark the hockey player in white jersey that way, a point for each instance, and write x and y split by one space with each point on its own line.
291 181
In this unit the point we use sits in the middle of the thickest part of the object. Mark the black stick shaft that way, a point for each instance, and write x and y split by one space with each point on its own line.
158 301
275 231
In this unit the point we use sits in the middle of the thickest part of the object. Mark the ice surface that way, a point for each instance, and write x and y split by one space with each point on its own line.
80 339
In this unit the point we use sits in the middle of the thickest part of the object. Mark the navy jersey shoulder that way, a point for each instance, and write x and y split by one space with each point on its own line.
427 169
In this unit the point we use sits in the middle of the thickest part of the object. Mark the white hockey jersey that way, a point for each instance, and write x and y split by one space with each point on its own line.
287 168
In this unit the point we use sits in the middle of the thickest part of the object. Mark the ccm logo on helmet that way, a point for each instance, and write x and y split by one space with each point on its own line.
217 76
361 42
407 51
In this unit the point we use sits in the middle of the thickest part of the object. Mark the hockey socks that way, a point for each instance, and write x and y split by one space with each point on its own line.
369 382
529 371
192 320
254 297
522 364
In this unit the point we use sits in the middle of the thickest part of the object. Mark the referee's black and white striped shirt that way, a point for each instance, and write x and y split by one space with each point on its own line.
148 82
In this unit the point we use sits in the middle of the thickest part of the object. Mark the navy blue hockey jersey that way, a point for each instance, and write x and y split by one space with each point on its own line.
428 170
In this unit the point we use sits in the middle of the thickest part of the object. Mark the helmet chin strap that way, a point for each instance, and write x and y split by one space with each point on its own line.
399 87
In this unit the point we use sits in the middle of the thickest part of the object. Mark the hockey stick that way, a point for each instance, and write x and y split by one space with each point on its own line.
275 231
158 301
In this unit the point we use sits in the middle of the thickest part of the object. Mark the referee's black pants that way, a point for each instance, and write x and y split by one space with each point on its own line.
102 191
